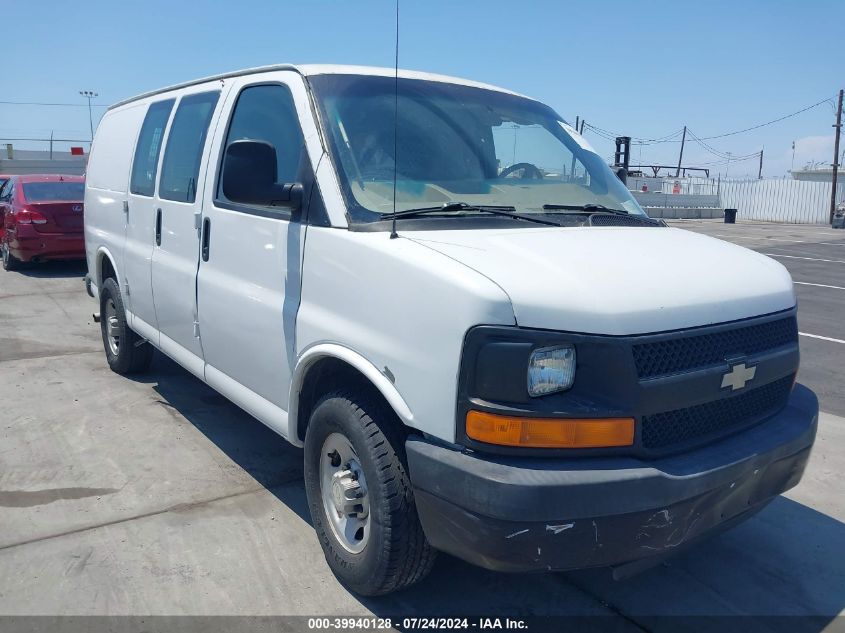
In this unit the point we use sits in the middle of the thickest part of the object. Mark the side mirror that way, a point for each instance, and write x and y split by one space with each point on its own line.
249 177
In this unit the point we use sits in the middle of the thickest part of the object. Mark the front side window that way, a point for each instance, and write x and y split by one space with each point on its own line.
58 191
181 165
267 113
456 143
147 151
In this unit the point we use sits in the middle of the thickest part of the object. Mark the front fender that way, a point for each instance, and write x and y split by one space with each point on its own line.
334 350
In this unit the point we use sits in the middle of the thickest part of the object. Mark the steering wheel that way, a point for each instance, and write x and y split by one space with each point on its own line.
529 171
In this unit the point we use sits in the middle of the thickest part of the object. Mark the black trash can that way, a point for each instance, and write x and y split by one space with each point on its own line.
730 216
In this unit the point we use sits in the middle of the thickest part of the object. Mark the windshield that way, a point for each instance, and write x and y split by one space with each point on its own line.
52 191
456 143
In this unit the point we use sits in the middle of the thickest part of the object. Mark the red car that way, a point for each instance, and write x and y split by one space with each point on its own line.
42 216
4 178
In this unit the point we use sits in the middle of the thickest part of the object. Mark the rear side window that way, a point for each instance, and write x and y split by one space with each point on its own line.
267 113
181 166
53 191
147 150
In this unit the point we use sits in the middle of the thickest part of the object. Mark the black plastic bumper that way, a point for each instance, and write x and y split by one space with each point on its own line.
523 514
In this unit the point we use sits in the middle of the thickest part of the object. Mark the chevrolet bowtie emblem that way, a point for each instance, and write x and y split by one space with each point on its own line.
738 376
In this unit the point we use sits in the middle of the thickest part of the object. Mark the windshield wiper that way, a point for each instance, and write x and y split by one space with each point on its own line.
584 208
505 211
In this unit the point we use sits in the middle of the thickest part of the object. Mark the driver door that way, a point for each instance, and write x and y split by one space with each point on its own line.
249 276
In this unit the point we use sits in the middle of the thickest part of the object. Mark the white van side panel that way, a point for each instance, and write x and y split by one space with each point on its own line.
403 307
141 327
106 184
258 407
114 145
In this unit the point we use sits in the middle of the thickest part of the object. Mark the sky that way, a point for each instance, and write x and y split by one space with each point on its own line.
639 69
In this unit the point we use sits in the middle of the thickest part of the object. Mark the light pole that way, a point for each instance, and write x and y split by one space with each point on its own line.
89 94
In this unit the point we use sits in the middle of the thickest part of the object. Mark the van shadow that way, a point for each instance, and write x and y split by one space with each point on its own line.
268 458
784 566
55 269
785 562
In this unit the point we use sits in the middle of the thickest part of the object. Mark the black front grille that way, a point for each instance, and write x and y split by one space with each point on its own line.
720 416
676 355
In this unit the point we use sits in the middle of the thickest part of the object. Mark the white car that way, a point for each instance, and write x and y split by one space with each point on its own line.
441 291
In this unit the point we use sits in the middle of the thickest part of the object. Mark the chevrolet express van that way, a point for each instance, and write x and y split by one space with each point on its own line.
441 292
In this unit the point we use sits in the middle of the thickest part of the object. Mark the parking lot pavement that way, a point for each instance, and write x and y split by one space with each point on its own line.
157 496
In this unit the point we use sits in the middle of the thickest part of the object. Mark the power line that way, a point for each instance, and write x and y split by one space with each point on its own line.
55 140
672 138
725 162
755 127
610 135
40 103
719 153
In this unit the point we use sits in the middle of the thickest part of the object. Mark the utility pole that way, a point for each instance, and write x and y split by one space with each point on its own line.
681 155
760 169
835 165
89 94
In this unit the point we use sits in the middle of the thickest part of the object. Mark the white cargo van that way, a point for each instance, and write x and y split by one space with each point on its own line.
441 291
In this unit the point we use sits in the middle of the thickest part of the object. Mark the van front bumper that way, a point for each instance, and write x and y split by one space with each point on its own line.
531 514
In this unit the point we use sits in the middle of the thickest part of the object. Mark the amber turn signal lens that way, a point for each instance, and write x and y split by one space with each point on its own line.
549 432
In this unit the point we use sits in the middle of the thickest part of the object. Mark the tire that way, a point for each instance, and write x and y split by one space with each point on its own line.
395 552
10 262
126 352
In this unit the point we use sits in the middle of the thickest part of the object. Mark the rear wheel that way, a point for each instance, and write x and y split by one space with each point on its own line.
360 497
126 352
10 262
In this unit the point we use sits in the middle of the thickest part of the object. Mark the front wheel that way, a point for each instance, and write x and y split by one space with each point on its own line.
126 352
360 497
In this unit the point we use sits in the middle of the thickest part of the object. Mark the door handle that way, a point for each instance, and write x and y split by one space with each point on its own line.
158 227
206 237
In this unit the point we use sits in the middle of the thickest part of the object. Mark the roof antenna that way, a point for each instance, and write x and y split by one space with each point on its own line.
393 234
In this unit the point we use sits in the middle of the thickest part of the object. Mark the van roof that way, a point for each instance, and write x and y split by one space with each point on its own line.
307 70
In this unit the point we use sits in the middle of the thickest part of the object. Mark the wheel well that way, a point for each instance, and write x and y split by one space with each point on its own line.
325 375
106 270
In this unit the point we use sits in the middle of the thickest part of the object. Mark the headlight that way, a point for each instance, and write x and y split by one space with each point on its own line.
551 369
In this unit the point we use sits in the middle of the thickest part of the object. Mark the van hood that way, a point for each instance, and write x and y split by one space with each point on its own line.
619 280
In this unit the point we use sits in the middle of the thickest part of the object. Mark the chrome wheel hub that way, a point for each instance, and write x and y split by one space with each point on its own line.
343 489
112 327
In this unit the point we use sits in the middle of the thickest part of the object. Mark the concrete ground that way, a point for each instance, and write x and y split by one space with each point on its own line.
156 496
